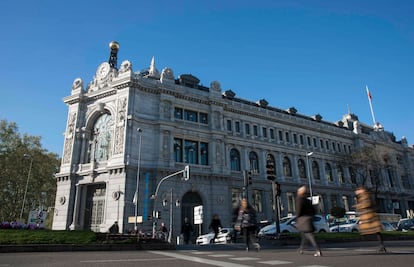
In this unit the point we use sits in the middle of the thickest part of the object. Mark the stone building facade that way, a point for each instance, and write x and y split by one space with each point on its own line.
219 136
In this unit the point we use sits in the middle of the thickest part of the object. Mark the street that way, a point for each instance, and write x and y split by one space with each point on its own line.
400 253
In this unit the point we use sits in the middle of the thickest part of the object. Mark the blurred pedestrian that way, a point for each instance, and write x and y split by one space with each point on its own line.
163 231
369 223
215 224
247 223
304 221
186 230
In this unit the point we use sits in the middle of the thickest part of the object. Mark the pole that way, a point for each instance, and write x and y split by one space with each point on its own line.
136 189
370 104
309 173
27 184
171 217
275 201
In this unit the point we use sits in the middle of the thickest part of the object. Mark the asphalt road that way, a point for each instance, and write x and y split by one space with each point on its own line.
400 253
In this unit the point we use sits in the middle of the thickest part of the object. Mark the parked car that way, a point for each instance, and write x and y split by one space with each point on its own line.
287 225
405 225
224 236
387 226
346 226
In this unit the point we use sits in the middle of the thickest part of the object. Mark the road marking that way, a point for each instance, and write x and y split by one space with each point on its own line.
201 252
245 259
199 260
124 260
221 255
275 262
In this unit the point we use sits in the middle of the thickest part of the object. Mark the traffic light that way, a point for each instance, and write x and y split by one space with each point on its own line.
247 178
277 189
186 173
270 171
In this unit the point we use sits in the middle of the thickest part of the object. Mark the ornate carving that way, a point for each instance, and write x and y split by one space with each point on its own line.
77 84
125 66
120 126
215 86
167 75
69 137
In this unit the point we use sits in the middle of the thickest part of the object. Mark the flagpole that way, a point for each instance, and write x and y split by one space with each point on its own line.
370 104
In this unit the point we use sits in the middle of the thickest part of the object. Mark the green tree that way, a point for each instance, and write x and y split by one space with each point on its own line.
17 153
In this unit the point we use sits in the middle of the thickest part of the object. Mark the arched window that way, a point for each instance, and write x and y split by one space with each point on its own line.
328 172
101 139
340 173
254 162
302 168
234 160
287 167
315 170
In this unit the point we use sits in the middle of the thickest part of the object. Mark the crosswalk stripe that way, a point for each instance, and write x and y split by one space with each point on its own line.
275 262
199 260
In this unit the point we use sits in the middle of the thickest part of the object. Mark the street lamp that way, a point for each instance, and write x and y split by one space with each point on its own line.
309 174
136 189
27 184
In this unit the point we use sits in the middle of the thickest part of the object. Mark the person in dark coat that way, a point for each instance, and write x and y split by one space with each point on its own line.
114 229
247 223
186 230
215 225
304 220
369 223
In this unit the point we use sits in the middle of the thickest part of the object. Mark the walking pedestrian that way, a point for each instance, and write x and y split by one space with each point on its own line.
215 224
186 230
369 223
304 221
247 223
114 229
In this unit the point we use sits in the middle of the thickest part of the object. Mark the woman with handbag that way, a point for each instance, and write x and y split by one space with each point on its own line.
304 221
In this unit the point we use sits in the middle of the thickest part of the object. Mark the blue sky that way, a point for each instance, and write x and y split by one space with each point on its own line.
316 56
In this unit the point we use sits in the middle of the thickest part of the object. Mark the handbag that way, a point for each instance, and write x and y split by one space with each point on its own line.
305 224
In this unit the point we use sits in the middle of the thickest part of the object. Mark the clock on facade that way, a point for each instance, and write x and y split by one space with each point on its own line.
103 70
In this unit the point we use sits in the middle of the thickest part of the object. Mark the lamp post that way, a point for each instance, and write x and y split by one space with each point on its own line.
136 189
308 154
27 184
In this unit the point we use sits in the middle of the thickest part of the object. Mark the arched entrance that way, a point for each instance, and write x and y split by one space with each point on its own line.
189 201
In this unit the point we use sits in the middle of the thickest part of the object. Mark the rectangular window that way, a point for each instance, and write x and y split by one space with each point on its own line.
178 113
190 115
190 152
327 144
301 140
295 138
287 137
247 128
272 134
237 126
255 130
257 200
203 118
321 143
229 125
280 136
264 131
178 151
309 141
203 153
315 144
333 146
